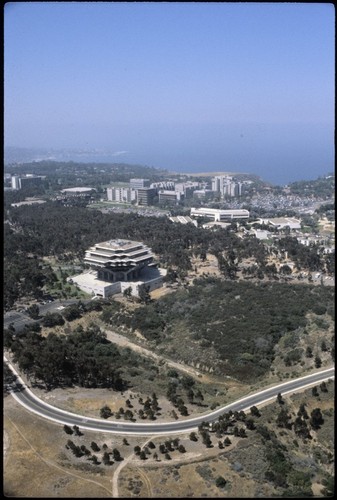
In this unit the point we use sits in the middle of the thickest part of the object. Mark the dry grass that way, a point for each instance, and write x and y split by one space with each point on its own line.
36 463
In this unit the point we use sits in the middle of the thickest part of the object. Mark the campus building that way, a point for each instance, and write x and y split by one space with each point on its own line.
20 182
121 194
139 183
145 196
117 265
220 215
172 197
118 260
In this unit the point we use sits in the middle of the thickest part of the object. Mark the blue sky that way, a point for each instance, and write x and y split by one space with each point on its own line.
202 86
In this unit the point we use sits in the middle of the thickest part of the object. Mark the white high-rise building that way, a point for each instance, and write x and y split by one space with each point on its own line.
15 182
121 195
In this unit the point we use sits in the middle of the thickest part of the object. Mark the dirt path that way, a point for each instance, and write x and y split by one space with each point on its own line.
122 465
125 342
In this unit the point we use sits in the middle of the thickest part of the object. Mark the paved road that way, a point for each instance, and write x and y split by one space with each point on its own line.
34 404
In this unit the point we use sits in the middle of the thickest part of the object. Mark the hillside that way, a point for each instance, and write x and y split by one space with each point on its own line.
238 329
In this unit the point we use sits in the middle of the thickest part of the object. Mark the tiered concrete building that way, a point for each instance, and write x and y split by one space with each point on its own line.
117 265
118 260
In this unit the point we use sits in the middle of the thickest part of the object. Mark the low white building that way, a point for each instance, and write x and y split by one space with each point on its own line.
283 222
184 219
220 215
76 191
261 234
89 283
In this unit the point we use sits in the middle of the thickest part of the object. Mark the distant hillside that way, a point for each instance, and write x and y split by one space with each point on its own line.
323 187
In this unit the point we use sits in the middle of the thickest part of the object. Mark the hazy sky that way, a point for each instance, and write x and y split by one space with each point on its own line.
201 86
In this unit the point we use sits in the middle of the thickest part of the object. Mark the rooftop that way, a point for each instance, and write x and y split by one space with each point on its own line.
118 244
78 190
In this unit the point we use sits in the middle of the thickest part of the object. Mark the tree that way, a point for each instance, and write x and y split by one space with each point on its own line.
316 418
318 361
314 391
250 424
144 294
279 399
199 397
323 387
53 319
128 415
308 352
105 411
67 429
94 446
255 411
227 441
142 455
137 450
283 419
193 436
34 311
77 430
127 292
220 482
324 346
302 412
106 458
168 445
116 455
183 410
206 439
301 428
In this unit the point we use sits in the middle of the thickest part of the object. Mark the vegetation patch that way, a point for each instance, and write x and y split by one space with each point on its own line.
230 328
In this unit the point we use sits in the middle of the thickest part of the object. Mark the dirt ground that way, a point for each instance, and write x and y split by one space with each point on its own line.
37 464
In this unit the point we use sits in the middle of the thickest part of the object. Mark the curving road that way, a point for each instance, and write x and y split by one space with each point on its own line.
32 403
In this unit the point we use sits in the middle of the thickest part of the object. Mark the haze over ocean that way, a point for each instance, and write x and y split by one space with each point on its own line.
189 87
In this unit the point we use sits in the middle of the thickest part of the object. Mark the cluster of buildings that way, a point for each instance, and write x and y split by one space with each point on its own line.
142 192
226 187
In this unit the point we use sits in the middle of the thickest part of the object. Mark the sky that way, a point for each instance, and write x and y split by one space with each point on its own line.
190 87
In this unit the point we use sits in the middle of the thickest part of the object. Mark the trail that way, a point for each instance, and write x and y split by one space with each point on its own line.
121 466
122 341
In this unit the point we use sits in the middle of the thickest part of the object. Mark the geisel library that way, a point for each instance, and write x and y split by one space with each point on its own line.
117 265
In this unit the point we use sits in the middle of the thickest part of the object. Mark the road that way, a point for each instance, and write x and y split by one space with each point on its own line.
26 398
